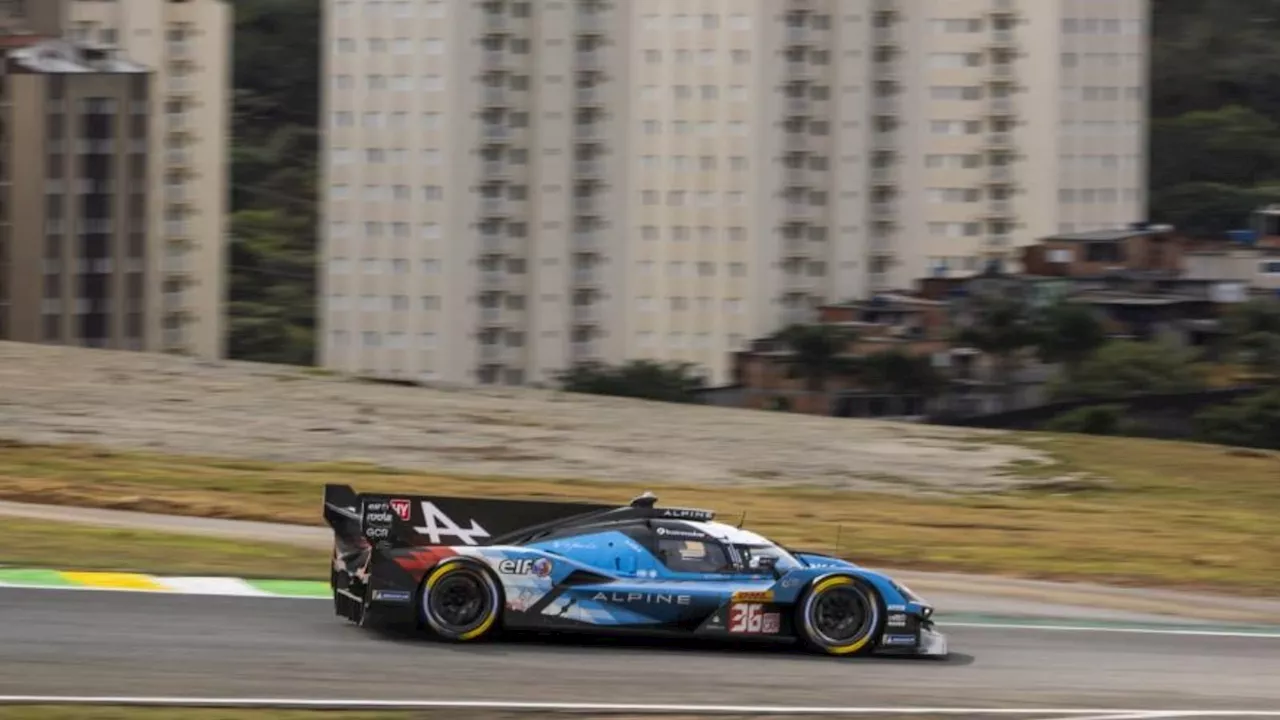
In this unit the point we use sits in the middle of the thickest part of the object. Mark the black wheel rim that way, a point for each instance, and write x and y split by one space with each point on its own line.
841 614
460 600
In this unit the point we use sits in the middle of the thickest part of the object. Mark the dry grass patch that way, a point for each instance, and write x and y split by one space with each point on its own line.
33 543
1114 510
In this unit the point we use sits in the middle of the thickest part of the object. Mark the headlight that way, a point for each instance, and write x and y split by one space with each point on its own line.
908 594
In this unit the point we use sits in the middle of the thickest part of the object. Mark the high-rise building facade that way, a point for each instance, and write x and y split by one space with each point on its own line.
188 47
511 187
74 193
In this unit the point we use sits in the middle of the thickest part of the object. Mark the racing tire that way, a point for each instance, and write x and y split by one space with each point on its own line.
840 615
460 602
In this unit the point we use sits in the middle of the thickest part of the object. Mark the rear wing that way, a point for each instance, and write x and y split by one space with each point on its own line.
392 520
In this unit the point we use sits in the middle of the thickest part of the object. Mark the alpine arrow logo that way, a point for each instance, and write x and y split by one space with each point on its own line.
438 525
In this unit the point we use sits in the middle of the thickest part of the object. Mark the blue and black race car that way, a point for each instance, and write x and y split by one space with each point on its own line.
466 568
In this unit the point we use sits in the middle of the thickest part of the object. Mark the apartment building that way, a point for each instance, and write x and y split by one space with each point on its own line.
515 186
187 44
73 194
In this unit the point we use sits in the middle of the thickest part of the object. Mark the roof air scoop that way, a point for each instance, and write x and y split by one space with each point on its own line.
647 500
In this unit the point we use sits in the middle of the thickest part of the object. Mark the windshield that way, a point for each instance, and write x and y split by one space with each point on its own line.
749 557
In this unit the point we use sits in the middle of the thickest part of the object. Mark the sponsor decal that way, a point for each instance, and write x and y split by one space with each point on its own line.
401 507
383 518
674 532
391 595
376 507
897 620
540 567
686 514
627 598
751 619
377 533
748 596
896 608
439 525
522 601
899 639
790 583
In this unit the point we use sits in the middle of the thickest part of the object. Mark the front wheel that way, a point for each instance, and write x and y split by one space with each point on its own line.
460 602
839 616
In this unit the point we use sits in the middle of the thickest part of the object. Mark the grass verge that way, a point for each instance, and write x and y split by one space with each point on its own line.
65 712
69 546
1122 511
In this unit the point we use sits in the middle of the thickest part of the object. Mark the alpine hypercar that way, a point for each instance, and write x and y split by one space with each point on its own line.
464 569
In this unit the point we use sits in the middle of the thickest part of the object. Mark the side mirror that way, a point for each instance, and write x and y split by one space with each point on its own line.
769 564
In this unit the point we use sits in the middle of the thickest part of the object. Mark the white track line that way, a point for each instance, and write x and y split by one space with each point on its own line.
1065 713
943 625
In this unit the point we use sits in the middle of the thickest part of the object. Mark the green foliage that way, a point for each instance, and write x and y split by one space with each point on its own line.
1091 420
676 382
817 353
895 371
273 175
1251 422
1122 368
1069 334
1215 109
1253 331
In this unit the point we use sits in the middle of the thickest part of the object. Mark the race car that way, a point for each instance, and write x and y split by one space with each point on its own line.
465 569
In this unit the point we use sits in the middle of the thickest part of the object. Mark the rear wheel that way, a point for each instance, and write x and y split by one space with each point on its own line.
461 602
839 616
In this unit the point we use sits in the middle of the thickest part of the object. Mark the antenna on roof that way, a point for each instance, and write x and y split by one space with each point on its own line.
839 527
742 520
646 500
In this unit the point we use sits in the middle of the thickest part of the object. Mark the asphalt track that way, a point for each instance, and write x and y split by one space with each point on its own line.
84 643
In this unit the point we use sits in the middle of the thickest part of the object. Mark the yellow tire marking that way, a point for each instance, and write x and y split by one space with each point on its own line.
484 626
116 581
854 646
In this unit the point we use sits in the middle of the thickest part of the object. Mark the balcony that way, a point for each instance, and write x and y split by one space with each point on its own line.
495 280
491 352
884 210
178 84
884 174
799 34
1000 140
1001 207
175 264
589 95
588 204
1000 173
495 131
589 132
1002 70
796 176
585 349
496 96
588 168
796 141
494 169
586 241
175 193
799 105
495 21
177 157
179 50
496 59
801 211
590 60
176 121
173 339
176 229
587 314
174 302
494 244
494 206
591 22
801 70
1000 239
885 105
586 276
1002 106
1002 38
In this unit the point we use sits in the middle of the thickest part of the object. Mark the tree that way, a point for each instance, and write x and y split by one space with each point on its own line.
677 382
1068 334
1091 420
1001 329
1122 368
1251 422
896 372
1253 331
816 353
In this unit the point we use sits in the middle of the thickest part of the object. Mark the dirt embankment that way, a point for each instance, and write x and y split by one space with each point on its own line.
255 411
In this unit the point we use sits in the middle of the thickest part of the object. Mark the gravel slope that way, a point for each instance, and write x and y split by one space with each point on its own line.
244 410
